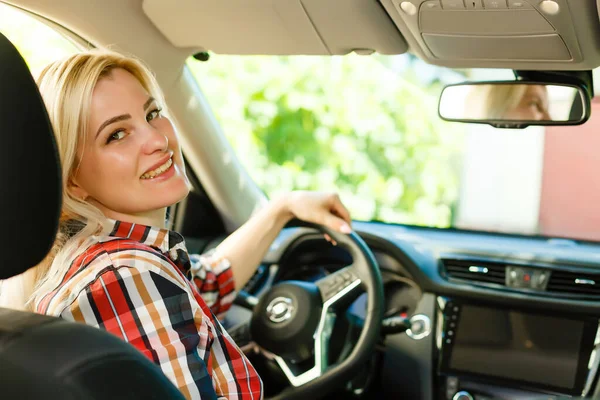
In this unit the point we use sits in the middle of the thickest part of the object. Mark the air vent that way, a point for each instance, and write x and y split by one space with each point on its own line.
474 271
583 284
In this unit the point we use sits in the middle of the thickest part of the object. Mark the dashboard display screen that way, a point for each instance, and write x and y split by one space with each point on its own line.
519 346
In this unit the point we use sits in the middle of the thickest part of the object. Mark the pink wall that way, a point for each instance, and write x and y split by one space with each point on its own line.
570 198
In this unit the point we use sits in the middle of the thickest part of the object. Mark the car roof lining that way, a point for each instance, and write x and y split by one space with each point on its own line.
331 27
529 38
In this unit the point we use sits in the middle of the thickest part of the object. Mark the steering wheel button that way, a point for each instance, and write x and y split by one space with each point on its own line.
328 283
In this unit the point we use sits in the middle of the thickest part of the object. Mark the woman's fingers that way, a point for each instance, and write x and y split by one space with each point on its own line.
336 223
340 210
330 239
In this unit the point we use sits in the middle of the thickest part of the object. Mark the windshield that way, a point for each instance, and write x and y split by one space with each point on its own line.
368 128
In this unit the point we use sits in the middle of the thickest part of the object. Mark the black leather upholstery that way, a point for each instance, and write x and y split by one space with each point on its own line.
43 357
49 358
29 172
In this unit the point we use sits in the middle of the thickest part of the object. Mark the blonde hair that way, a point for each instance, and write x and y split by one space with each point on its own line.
67 86
494 101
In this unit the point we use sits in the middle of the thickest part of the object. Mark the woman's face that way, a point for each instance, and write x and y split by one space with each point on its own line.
533 105
131 164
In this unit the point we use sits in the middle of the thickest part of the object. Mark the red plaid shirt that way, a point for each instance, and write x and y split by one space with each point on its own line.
140 284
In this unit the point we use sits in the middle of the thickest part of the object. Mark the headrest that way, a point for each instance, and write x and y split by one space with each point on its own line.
30 178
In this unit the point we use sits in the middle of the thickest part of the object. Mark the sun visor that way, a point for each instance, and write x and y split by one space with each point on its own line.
275 27
517 34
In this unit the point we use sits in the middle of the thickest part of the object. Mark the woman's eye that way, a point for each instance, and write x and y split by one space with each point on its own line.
153 114
118 135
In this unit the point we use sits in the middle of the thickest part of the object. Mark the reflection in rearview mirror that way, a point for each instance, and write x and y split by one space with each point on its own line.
513 104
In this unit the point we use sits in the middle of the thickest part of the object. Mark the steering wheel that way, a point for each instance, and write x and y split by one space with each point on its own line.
295 317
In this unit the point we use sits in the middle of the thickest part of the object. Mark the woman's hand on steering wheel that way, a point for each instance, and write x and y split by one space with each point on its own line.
319 208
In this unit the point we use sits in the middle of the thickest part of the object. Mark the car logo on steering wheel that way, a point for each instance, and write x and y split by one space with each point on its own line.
280 309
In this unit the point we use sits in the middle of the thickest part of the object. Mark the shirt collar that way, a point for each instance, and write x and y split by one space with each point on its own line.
159 238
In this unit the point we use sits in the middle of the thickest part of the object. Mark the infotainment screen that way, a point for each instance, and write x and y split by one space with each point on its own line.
519 346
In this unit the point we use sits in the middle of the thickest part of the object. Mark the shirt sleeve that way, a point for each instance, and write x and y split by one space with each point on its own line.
212 276
155 314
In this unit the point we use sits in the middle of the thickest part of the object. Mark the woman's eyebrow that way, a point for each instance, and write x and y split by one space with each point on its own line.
112 121
148 102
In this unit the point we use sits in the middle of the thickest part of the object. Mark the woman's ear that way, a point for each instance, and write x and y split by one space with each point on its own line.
76 190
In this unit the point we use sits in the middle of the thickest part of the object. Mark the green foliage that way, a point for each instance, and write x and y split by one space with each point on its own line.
358 125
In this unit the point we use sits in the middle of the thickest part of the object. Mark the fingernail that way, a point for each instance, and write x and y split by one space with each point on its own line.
345 228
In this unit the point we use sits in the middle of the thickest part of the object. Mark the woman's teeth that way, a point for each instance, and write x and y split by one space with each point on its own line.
156 172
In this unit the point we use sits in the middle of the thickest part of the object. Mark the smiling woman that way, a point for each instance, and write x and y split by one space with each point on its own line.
114 265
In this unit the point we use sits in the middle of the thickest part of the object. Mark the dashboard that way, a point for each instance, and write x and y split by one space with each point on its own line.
507 317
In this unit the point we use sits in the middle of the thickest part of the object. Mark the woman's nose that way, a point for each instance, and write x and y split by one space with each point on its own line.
154 141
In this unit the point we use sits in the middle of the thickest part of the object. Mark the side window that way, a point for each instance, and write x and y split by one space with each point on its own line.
38 43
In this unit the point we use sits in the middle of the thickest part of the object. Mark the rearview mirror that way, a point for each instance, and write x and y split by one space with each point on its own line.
515 104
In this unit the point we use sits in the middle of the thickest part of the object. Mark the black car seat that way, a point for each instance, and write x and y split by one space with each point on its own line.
43 357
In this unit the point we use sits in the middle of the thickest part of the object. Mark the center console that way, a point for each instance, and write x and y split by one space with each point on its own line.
486 352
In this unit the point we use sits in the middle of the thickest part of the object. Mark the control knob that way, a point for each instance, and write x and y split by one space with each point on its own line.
462 395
